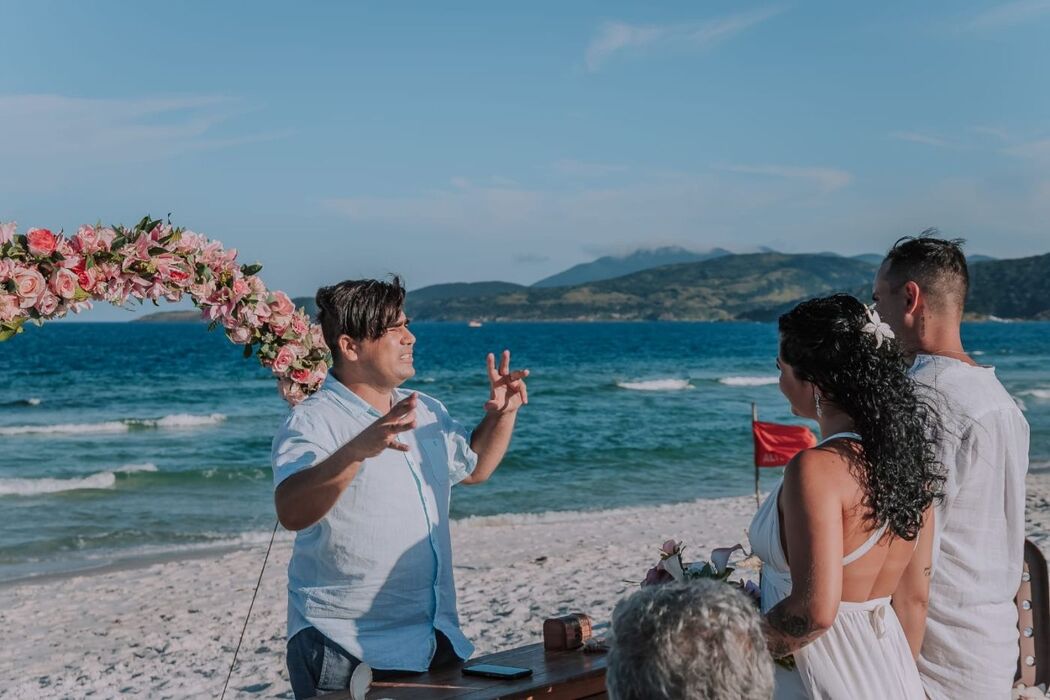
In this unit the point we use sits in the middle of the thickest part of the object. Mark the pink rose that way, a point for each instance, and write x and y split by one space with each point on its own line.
290 391
71 261
87 277
47 304
258 288
29 285
301 375
317 375
239 335
281 304
7 269
240 288
64 283
85 240
298 351
283 362
299 325
9 310
7 232
317 337
41 241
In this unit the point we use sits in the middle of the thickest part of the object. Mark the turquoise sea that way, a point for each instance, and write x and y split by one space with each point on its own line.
131 440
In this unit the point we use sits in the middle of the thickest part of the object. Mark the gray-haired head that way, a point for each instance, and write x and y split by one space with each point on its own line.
700 640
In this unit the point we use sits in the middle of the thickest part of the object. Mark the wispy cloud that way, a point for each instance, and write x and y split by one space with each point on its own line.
578 168
993 132
1036 150
1006 15
925 139
826 179
617 37
43 129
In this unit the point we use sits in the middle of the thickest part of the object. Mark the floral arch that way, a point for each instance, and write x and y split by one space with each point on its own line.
44 276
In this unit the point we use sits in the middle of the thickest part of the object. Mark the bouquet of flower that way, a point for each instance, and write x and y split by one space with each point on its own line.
671 567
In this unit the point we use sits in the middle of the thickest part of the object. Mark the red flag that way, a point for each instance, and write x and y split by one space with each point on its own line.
776 444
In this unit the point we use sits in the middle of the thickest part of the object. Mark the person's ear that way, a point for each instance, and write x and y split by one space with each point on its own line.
348 347
913 298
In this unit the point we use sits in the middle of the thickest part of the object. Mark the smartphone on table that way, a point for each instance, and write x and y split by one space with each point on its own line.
496 671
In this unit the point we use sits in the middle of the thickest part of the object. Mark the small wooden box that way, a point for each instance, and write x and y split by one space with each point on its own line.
566 632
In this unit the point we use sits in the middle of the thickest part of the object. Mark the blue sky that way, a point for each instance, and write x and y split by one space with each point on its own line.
472 141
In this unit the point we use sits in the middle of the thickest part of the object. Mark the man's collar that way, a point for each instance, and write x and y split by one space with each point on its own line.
355 402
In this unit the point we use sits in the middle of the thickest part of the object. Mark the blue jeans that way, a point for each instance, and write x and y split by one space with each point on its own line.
318 665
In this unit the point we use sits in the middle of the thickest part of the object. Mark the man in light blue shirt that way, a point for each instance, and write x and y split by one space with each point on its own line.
363 473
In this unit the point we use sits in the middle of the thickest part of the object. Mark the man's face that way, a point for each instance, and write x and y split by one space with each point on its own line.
389 358
891 302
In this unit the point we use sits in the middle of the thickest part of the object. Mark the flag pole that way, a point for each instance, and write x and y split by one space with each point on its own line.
754 419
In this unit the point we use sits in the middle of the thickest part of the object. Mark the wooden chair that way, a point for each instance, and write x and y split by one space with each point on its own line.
1033 620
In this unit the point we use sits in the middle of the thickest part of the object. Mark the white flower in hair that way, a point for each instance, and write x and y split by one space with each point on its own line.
876 326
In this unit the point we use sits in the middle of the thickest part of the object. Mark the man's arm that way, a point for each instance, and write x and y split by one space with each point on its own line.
490 441
912 595
491 438
813 527
305 497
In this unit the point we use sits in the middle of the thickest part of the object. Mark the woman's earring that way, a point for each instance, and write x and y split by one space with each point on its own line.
816 400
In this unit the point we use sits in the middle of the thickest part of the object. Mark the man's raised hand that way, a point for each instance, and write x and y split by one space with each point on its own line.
507 392
382 435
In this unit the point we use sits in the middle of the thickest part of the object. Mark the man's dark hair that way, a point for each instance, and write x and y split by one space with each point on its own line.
937 265
361 309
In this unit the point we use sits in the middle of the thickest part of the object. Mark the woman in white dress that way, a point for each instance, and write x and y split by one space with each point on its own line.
852 516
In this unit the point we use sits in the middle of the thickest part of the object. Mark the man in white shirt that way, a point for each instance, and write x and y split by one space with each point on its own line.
363 472
970 646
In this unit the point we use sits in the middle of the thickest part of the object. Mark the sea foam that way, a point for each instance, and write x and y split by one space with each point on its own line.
656 385
99 480
1036 393
178 420
748 381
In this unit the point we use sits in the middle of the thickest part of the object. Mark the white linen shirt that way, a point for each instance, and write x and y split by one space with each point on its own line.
374 575
970 648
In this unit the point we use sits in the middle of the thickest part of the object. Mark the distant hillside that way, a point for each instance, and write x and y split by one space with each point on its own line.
169 317
723 288
756 287
610 266
306 303
460 290
1018 288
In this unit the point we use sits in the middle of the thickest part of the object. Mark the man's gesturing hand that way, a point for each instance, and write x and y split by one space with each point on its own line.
382 434
507 389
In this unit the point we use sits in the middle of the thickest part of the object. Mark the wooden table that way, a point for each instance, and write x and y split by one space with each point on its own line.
556 675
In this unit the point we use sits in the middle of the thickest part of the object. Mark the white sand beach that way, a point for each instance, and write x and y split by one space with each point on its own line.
168 630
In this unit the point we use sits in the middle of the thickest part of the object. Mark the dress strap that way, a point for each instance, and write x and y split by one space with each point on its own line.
866 547
836 436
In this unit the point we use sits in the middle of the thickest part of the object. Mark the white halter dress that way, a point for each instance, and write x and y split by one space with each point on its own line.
863 655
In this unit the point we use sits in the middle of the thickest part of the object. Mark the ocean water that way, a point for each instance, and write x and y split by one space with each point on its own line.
128 440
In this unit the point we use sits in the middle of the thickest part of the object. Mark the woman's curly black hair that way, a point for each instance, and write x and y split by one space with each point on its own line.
823 341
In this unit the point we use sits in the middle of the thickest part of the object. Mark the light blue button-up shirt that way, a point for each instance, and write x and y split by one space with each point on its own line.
374 575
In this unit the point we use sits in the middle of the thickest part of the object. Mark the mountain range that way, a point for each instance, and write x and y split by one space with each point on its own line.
680 285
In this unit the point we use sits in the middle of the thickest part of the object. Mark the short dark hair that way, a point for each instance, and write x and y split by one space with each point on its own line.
937 265
361 309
